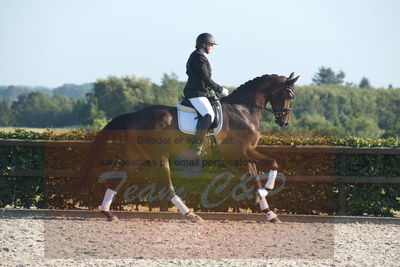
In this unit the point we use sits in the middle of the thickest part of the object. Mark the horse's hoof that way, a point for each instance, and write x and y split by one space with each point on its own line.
194 217
110 217
275 220
272 217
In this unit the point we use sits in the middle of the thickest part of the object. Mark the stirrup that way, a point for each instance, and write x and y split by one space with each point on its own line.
196 150
199 153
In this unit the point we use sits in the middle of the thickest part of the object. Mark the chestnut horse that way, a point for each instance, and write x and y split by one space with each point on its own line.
148 134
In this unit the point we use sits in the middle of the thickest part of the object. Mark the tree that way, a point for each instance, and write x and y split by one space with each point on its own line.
89 111
11 93
360 112
314 122
328 76
116 96
170 90
73 90
364 127
5 113
394 131
364 83
37 109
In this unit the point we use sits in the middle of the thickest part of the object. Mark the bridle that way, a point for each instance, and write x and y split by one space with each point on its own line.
283 111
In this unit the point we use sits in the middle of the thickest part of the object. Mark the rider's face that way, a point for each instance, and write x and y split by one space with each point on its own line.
209 48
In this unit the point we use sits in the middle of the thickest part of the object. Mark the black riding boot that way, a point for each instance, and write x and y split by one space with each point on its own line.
203 124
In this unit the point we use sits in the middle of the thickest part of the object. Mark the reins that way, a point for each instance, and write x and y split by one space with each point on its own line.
243 102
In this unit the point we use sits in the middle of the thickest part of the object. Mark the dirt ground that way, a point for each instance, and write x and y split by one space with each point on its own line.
140 242
151 239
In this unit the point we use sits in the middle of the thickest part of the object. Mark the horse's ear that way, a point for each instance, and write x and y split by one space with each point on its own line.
291 75
291 81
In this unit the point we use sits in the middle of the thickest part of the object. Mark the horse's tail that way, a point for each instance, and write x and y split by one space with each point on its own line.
95 152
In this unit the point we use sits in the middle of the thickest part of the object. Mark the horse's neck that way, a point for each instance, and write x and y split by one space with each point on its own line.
244 98
259 100
256 101
251 105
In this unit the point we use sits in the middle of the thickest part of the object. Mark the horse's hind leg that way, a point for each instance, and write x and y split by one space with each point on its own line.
164 173
115 181
261 196
126 142
105 206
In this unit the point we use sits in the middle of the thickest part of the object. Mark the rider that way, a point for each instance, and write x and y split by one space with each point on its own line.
199 83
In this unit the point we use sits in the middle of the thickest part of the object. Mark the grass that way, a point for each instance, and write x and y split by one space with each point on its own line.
40 130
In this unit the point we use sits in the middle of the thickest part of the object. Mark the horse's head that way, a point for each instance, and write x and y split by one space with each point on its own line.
281 99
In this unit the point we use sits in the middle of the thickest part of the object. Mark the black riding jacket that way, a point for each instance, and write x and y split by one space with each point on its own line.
199 81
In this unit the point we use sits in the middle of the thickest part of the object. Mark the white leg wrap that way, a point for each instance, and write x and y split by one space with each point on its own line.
180 205
271 215
108 198
262 192
263 203
270 184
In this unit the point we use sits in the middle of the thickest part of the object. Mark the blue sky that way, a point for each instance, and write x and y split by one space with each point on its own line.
52 42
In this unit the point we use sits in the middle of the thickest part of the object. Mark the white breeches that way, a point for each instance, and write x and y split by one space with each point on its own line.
203 106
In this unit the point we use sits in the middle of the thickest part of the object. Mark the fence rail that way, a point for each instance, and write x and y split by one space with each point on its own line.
337 150
293 178
262 148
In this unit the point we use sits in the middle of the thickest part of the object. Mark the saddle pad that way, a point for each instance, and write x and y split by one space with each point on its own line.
187 119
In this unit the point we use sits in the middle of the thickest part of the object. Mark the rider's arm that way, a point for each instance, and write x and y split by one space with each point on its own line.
204 74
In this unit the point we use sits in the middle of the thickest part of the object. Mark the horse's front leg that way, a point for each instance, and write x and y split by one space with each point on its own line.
262 194
270 163
164 175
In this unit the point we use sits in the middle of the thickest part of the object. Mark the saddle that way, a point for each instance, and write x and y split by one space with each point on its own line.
188 115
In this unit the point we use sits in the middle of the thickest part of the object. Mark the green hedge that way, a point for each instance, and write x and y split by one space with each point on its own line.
203 191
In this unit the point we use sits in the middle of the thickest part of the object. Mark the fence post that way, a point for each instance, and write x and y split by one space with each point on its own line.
342 187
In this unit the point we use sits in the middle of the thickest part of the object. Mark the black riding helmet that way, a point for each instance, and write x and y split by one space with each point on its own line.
205 38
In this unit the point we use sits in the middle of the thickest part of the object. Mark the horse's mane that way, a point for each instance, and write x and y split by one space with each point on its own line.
250 86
